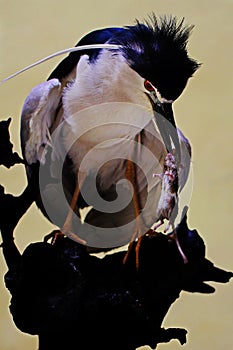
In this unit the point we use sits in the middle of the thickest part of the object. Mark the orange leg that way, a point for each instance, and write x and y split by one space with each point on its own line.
67 227
130 175
66 230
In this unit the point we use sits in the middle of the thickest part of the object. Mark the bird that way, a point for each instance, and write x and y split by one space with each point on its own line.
102 120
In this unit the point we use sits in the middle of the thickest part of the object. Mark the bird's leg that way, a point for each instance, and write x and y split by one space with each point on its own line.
67 226
131 176
174 236
137 250
130 247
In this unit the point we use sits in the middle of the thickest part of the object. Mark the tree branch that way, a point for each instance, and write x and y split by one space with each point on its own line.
70 298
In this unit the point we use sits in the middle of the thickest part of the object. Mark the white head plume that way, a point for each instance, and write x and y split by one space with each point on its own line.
62 52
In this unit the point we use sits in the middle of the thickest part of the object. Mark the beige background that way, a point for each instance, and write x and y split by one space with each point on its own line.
30 30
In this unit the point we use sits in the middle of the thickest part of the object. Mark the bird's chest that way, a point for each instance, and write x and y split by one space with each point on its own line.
101 138
102 155
101 141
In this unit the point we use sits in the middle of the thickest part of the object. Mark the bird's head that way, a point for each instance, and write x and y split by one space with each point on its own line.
157 51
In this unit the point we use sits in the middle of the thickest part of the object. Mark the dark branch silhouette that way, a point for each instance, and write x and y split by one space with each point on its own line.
7 157
71 299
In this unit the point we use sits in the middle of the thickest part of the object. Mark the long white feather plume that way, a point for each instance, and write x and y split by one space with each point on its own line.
71 49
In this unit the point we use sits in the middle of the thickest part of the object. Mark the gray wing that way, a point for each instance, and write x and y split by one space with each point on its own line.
38 115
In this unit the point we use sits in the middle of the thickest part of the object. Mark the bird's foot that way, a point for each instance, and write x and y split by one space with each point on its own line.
56 236
73 236
136 247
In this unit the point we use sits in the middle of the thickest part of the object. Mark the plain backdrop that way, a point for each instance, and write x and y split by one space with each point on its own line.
30 30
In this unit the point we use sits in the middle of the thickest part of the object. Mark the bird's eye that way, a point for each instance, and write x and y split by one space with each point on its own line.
148 86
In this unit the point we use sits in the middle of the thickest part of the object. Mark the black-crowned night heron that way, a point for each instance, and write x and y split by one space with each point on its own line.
103 116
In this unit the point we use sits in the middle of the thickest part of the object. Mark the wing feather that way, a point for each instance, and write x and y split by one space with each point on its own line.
38 115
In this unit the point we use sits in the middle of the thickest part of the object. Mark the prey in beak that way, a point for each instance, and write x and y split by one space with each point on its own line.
168 203
165 121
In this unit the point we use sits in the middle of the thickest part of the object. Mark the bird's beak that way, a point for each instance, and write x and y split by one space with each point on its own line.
165 121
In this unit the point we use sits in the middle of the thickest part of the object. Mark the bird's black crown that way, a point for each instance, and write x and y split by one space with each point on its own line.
157 50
